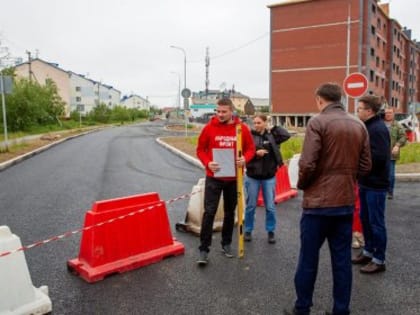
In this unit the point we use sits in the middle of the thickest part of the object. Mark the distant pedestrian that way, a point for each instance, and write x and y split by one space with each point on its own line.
373 188
219 136
261 174
398 140
335 151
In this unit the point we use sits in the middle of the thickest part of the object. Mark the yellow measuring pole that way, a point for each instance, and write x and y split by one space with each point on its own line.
240 189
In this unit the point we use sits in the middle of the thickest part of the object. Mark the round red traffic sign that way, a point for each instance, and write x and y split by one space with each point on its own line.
355 84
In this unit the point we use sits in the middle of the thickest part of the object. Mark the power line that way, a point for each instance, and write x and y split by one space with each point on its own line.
231 51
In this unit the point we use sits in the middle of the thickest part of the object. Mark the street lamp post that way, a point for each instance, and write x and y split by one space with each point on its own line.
179 91
185 87
185 63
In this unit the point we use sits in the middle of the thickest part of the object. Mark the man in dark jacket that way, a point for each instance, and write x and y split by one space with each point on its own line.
373 188
335 151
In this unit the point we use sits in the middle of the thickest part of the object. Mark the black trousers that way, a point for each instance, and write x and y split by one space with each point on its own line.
212 191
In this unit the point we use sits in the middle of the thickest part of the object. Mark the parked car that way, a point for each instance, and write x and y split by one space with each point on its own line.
204 119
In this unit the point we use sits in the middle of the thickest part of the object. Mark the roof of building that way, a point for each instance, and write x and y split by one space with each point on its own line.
286 2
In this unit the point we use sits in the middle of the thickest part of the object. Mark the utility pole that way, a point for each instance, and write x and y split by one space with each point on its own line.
29 64
207 71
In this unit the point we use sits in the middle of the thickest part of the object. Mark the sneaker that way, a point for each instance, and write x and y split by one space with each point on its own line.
271 238
373 268
227 250
203 258
361 259
248 237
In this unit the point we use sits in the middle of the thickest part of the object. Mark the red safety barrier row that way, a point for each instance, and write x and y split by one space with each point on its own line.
87 228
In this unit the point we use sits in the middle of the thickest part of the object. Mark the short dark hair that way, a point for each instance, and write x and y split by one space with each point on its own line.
330 92
226 102
372 102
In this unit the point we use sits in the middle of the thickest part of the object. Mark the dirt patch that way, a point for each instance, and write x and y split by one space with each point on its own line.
183 144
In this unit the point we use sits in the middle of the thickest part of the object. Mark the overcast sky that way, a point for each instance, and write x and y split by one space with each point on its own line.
126 43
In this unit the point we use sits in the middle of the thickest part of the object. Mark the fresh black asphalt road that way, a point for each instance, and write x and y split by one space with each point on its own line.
48 194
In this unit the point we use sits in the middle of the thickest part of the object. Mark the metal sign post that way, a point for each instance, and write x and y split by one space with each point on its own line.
3 102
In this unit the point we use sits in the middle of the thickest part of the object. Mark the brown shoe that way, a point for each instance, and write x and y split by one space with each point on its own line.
372 268
361 260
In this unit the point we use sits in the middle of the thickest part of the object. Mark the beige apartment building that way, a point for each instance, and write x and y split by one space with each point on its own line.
78 92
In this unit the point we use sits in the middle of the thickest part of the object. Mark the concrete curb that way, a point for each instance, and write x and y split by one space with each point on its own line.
25 156
407 177
189 158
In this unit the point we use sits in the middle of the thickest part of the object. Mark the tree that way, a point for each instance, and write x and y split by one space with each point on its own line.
31 104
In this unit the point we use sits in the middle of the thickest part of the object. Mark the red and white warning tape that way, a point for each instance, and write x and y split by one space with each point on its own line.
70 233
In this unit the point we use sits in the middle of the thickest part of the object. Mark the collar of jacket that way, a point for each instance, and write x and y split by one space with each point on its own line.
372 119
332 106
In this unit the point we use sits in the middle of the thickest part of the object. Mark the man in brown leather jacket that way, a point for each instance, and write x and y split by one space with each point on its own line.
335 151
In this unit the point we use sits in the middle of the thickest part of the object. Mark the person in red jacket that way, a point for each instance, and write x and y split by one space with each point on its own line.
216 149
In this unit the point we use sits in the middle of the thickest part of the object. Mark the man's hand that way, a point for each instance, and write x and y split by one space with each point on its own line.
261 152
214 166
395 149
240 161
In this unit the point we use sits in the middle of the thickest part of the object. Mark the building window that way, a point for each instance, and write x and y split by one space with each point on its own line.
383 64
376 80
378 24
78 99
78 88
372 52
378 42
377 62
383 83
371 75
373 30
374 8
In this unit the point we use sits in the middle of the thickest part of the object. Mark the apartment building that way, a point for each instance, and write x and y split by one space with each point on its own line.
316 41
135 101
77 91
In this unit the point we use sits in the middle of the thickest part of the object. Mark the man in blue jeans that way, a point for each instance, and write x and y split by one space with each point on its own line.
373 188
335 151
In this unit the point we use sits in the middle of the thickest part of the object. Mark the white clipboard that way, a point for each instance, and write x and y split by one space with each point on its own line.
226 160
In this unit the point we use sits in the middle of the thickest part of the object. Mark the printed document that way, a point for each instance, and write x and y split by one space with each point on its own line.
226 160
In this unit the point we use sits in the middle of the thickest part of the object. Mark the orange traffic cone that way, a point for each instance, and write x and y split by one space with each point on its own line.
129 242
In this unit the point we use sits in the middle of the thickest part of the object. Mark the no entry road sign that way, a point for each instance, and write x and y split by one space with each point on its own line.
355 84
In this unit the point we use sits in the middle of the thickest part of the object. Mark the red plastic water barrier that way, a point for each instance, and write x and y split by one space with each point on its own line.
132 242
283 188
411 135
